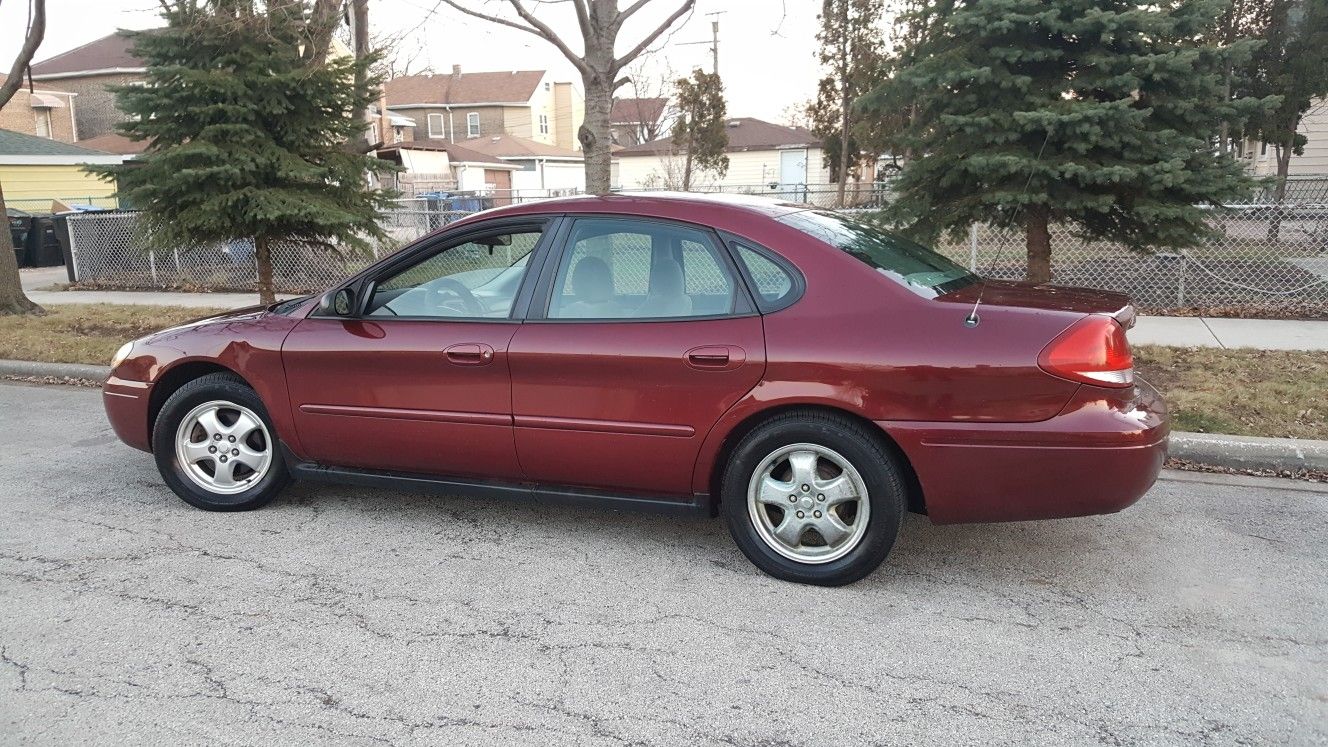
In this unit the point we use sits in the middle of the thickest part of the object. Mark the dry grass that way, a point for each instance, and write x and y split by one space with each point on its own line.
85 333
1240 392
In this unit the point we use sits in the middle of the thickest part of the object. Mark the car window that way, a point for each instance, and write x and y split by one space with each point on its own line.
773 283
629 269
475 280
894 256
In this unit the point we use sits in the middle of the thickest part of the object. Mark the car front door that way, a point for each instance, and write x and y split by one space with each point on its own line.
416 379
639 338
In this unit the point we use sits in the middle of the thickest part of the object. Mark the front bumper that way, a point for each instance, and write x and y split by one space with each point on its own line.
126 403
1100 454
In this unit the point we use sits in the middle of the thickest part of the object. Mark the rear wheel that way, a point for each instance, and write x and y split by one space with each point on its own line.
215 445
814 498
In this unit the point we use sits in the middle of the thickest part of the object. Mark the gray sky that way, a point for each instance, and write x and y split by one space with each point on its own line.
766 48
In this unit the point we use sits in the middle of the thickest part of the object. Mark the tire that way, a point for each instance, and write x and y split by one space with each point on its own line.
777 449
255 471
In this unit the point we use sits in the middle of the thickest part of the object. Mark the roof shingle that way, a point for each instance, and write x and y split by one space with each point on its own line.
107 53
507 87
745 133
20 144
637 111
511 146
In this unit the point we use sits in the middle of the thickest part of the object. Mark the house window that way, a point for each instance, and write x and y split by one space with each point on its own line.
548 86
544 124
473 124
437 127
44 123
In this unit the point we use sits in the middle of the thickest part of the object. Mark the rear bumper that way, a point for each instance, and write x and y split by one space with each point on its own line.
1098 455
126 405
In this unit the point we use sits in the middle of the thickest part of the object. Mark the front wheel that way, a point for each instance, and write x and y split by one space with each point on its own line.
215 445
814 498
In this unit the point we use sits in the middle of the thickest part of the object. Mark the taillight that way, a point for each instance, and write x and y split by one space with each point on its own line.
1092 351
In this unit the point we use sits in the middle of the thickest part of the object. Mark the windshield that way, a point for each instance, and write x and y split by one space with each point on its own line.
910 263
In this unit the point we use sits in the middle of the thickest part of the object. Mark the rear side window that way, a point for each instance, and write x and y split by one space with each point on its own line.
776 286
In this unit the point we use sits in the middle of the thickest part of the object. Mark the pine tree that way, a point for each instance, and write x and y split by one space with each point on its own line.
1095 113
248 137
700 132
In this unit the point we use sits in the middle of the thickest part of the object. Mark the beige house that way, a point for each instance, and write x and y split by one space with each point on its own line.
1261 158
541 167
460 106
763 156
43 112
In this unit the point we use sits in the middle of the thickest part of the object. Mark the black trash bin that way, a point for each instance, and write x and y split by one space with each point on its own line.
20 224
43 245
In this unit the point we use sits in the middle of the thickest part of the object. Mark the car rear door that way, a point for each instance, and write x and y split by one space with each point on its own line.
417 378
639 338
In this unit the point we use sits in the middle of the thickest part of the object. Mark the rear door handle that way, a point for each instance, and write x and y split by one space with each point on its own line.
469 354
715 357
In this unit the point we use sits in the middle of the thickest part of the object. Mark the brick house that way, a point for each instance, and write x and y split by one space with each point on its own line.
43 112
460 106
89 72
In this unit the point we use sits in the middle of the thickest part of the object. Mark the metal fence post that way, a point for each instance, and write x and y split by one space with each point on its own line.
973 247
73 249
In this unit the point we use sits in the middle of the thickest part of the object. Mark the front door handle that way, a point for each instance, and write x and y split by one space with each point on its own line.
715 357
469 354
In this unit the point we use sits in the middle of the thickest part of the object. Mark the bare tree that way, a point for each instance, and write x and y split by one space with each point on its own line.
599 64
12 298
645 86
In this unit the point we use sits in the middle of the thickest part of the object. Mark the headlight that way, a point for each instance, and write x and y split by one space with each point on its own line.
121 354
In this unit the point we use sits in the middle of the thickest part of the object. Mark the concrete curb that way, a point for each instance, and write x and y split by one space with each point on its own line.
1236 452
56 370
1250 452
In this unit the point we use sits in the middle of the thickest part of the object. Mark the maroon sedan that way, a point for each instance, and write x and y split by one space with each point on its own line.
807 376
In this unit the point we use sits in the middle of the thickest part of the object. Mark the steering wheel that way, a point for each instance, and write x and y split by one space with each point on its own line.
461 299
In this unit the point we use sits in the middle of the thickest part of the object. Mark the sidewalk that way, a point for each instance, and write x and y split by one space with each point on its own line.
44 277
1183 331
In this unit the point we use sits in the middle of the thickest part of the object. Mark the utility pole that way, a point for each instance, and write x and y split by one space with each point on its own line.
714 45
714 40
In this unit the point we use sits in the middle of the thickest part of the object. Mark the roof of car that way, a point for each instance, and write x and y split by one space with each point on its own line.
658 204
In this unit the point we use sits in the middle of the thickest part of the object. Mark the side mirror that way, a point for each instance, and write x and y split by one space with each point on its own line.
338 303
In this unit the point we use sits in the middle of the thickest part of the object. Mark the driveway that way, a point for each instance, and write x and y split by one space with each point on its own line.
356 616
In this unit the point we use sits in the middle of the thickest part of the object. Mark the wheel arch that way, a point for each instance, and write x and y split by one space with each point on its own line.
729 440
170 381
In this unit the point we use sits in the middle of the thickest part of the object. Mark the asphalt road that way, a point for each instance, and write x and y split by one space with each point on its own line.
355 616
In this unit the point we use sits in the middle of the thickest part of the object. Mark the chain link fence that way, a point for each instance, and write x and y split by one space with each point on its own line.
1260 258
108 250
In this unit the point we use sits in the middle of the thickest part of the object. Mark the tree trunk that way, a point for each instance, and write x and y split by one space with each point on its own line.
1284 150
1038 241
263 260
687 168
1223 129
843 148
12 298
594 132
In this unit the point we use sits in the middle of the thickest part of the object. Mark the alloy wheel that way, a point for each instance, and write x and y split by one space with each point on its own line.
808 503
223 447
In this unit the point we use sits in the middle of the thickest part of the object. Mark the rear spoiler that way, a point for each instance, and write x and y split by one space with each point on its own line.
1126 316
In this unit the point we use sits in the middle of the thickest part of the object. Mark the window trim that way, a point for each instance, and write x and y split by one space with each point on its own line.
366 281
542 299
767 307
472 124
543 124
442 125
